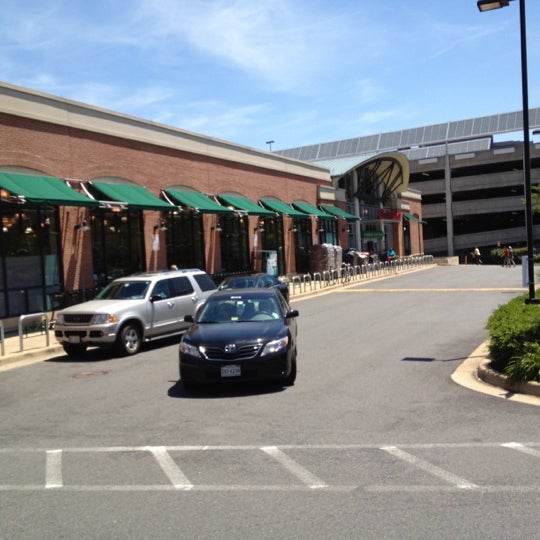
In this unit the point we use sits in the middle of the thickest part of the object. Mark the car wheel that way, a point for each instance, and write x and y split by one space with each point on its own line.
129 340
74 349
291 378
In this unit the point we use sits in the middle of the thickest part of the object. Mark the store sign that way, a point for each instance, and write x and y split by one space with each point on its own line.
389 214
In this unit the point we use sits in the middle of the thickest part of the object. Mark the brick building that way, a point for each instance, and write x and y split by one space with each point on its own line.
89 194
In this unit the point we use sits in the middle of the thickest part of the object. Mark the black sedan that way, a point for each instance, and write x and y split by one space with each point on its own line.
265 281
246 335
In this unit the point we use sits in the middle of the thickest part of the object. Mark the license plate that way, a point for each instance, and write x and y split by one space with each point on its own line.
231 371
74 339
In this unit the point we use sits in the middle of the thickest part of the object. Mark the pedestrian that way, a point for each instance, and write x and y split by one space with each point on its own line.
477 256
511 256
506 256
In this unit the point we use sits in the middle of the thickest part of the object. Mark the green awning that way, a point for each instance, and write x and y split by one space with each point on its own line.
246 205
339 212
283 208
411 217
135 196
372 234
197 200
311 210
42 190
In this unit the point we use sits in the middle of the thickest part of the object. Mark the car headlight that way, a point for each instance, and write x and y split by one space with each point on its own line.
275 346
104 318
189 349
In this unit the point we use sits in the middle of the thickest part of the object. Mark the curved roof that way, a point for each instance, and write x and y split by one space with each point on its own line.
392 168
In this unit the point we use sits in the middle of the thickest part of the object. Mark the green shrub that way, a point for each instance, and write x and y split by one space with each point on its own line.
526 367
512 328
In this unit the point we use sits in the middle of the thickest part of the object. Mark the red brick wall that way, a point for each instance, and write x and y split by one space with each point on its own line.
76 154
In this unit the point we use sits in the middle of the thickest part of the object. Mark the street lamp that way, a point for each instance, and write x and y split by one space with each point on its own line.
488 5
269 143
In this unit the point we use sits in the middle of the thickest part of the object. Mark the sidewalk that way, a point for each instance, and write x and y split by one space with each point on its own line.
34 349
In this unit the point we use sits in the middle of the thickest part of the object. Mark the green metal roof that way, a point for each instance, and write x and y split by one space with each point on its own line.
246 205
201 202
311 210
412 217
283 208
43 190
339 212
135 196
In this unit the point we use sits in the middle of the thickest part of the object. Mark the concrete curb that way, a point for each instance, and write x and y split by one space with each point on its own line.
469 375
490 376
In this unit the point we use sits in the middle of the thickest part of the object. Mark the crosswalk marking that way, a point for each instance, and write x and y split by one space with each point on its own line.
430 468
170 468
300 472
53 469
366 479
521 448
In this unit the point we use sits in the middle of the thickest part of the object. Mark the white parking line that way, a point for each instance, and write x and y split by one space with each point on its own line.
456 481
292 466
522 448
53 469
170 468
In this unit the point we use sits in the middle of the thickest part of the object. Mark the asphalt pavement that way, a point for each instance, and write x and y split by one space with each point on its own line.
474 373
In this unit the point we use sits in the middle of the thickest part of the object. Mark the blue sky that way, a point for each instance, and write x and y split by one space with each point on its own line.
296 72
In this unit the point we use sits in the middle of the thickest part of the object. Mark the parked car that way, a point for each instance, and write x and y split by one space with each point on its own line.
256 280
240 335
130 310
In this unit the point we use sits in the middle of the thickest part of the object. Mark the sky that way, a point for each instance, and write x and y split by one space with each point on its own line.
295 72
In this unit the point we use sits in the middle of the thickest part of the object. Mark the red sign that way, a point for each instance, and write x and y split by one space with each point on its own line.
390 214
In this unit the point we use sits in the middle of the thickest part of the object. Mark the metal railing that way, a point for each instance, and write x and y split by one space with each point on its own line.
43 327
2 337
348 273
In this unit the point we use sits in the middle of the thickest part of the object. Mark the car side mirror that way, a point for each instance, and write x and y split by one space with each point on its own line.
155 298
292 313
188 318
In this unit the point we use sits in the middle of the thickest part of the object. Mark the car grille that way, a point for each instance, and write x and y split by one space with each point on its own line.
78 318
246 352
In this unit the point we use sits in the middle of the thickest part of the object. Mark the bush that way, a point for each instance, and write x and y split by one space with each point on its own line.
514 334
526 368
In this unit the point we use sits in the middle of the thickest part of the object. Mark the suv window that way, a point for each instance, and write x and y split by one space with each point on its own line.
124 290
162 289
205 282
181 286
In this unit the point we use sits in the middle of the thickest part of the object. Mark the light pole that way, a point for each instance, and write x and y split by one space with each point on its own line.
269 143
488 5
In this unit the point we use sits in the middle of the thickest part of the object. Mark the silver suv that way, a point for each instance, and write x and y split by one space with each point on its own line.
133 309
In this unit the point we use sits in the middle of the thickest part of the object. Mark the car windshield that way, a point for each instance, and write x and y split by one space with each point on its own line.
124 290
230 310
239 283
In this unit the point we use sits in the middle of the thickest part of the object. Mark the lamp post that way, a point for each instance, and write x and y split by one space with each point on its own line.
488 5
269 143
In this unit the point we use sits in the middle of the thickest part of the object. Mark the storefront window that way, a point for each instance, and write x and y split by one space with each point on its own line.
234 244
185 240
117 244
30 269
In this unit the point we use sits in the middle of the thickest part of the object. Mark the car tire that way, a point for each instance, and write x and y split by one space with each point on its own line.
291 377
129 340
74 349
